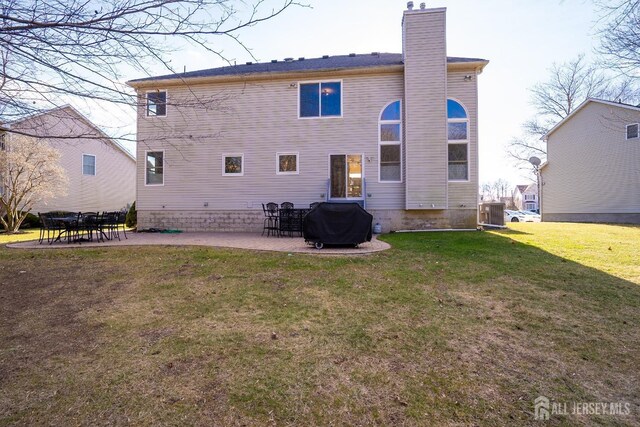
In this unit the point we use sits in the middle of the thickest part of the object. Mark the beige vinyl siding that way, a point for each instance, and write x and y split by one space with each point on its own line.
259 119
592 168
466 193
425 109
113 186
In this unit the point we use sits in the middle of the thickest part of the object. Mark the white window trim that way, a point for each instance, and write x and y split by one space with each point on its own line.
381 142
460 141
164 167
320 116
626 129
225 155
287 153
95 164
166 103
362 161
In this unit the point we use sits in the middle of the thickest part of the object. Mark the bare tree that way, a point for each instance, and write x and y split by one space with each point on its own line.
568 85
52 52
620 35
30 172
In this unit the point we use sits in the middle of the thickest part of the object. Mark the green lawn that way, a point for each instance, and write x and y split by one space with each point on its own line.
27 234
446 328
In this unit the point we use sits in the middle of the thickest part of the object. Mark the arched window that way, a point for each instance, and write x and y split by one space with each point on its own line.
458 138
390 143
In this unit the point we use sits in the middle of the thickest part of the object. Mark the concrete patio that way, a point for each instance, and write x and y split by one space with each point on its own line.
253 241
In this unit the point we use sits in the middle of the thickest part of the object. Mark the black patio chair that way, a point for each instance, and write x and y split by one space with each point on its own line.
271 219
44 227
122 222
89 224
56 227
286 219
108 225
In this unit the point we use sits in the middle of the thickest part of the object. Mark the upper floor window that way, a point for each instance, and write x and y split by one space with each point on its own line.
458 137
632 131
529 196
320 99
390 143
88 164
2 141
157 103
154 168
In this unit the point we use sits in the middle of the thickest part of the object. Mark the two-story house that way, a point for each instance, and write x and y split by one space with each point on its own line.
525 197
395 132
101 172
592 173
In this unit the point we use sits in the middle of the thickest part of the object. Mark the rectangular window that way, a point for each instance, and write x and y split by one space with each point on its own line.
88 164
157 103
632 131
390 163
322 99
287 163
457 131
233 164
458 162
2 143
529 196
155 168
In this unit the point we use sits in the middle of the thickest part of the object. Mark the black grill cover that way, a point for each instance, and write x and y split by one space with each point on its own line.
337 224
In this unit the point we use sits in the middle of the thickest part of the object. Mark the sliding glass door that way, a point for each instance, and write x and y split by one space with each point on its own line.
346 176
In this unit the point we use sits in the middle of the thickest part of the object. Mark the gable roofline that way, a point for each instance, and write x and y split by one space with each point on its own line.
584 104
84 119
361 63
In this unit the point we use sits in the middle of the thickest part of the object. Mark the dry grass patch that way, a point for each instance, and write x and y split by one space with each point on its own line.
444 329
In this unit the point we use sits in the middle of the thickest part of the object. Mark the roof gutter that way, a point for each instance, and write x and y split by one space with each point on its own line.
476 66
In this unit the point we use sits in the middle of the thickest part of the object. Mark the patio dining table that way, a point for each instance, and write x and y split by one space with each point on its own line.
290 220
74 224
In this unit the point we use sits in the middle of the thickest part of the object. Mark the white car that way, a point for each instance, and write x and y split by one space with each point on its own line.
514 216
531 216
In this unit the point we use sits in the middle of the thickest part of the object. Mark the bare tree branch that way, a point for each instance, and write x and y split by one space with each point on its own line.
569 84
52 51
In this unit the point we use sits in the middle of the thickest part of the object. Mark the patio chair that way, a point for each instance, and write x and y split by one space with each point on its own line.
313 205
89 224
271 219
108 226
122 219
43 227
55 225
286 218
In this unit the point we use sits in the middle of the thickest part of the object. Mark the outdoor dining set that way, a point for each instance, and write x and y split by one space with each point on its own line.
285 219
76 227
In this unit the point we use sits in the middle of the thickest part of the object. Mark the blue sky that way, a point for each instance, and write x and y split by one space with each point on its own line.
521 38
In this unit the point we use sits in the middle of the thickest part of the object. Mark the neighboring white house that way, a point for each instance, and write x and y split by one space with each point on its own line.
101 172
592 173
525 197
395 132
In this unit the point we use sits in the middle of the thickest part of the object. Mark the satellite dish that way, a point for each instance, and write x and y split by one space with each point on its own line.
535 161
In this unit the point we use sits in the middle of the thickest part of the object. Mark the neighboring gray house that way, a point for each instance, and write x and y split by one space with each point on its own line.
101 172
525 197
396 132
592 173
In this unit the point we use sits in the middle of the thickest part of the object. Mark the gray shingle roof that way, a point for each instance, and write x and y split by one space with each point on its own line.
327 62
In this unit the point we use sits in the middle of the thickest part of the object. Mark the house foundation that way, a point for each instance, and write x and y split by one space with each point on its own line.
252 220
